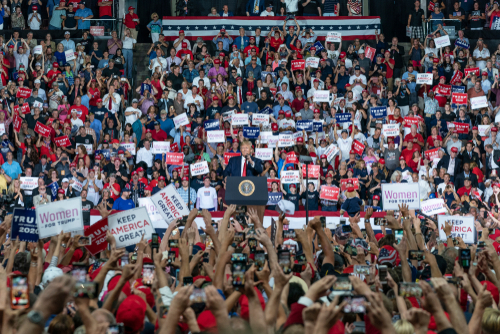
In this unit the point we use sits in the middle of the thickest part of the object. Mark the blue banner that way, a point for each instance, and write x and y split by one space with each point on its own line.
251 132
306 125
457 89
24 225
378 112
343 117
274 198
266 111
318 47
54 187
317 126
462 44
212 124
106 153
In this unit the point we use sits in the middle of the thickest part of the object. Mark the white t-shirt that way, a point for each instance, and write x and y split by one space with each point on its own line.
133 117
191 100
206 196
266 13
485 53
35 24
344 146
128 42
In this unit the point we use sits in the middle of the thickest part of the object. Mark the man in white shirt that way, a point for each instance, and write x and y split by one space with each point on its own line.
173 60
178 42
206 81
206 197
358 81
41 92
292 6
21 54
481 55
111 101
159 61
75 121
311 91
268 11
132 113
194 98
146 154
34 19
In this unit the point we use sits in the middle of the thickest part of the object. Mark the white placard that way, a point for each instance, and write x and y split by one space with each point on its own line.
321 96
390 130
76 185
199 168
331 151
433 206
264 154
463 226
180 120
482 130
37 104
271 141
265 135
52 218
38 50
424 78
69 54
2 129
479 102
285 140
29 183
239 119
442 41
129 226
170 204
258 119
153 213
290 176
216 136
398 193
130 147
334 37
313 62
161 147
88 147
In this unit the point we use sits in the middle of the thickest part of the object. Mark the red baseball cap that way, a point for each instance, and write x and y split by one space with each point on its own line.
161 178
184 44
130 8
181 32
115 141
134 173
316 111
454 150
352 152
300 140
55 64
223 30
217 61
140 169
323 156
185 178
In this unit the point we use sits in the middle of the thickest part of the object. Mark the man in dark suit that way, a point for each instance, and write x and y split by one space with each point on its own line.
454 161
257 89
225 11
259 40
492 160
252 10
459 179
244 165
468 155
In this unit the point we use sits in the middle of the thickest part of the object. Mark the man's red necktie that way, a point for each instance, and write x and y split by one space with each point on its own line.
110 103
240 97
244 169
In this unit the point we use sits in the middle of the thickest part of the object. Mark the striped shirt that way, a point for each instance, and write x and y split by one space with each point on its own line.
185 195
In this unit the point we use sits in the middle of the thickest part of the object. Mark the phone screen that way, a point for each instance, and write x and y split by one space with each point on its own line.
148 274
398 234
284 261
19 292
238 273
239 237
79 273
416 255
187 281
154 239
115 329
355 304
173 243
260 260
382 274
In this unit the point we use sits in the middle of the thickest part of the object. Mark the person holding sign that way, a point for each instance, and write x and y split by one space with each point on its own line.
244 165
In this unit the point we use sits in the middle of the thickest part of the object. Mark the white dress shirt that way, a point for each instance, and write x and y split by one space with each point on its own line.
451 167
190 99
115 105
243 164
146 156
206 81
158 61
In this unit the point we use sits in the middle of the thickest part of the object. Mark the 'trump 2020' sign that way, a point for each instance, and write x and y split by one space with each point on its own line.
394 194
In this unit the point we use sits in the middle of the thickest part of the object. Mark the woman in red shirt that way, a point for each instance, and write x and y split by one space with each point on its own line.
434 135
94 91
477 171
415 162
113 187
82 153
277 39
297 47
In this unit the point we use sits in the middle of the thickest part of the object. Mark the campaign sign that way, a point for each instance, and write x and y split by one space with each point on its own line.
105 153
97 30
129 226
378 112
462 44
23 92
228 155
334 36
390 130
331 151
479 102
344 183
370 52
153 213
394 194
29 183
69 54
329 193
409 121
62 141
457 89
442 41
483 130
321 96
266 111
312 171
318 47
174 147
130 147
312 62
462 226
358 147
54 187
317 126
170 204
216 136
470 71
174 158
291 158
161 147
212 124
52 218
251 132
459 98
25 109
97 233
199 168
433 206
38 50
461 127
24 225
343 117
285 140
264 154
76 185
42 130
290 176
239 119
258 119
18 121
181 120
444 89
270 184
298 64
424 78
306 125
274 198
432 154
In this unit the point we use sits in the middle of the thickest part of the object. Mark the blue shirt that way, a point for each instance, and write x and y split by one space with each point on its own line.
238 40
277 108
69 44
96 125
123 204
185 196
85 100
86 12
225 43
13 170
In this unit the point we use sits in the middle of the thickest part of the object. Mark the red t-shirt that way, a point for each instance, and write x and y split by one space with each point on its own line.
159 136
393 120
275 43
464 190
249 48
298 53
430 139
410 137
389 69
408 154
82 111
96 94
493 15
117 188
105 10
298 105
129 23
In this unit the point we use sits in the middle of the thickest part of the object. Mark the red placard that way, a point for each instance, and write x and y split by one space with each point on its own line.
409 121
474 70
329 193
358 147
298 64
25 109
228 156
62 141
461 127
174 158
457 78
345 182
97 30
431 6
432 154
186 170
270 184
97 232
174 147
312 171
23 92
444 89
370 52
291 158
459 98
18 121
42 130
273 90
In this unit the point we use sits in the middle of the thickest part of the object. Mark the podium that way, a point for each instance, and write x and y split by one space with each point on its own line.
247 191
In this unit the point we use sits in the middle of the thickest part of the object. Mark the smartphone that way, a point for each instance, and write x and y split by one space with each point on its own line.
343 221
352 251
363 232
382 274
410 289
19 292
206 257
301 259
187 281
171 256
155 243
260 259
323 222
116 329
163 311
79 272
479 234
416 255
252 243
359 327
464 258
148 274
198 296
86 290
346 229
239 257
173 243
398 234
239 237
238 273
133 258
183 221
289 234
342 284
284 261
85 241
380 222
355 304
481 245
362 270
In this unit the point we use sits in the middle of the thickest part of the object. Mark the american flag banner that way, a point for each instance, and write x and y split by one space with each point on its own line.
207 27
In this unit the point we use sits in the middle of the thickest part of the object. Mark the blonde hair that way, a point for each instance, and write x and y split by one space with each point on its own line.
153 15
404 327
490 323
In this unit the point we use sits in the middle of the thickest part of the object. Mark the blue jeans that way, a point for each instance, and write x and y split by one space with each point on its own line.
51 27
332 208
108 25
128 54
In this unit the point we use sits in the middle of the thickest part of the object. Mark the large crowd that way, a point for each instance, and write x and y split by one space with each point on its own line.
350 116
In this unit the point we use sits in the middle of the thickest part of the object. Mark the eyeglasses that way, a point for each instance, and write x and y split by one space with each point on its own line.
254 59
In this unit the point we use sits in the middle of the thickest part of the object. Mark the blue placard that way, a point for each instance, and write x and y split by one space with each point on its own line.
306 125
212 124
343 117
318 47
106 153
54 187
266 111
317 126
24 225
251 132
145 87
274 198
378 112
462 44
457 89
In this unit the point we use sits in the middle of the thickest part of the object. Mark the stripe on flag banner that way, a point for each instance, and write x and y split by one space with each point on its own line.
207 27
